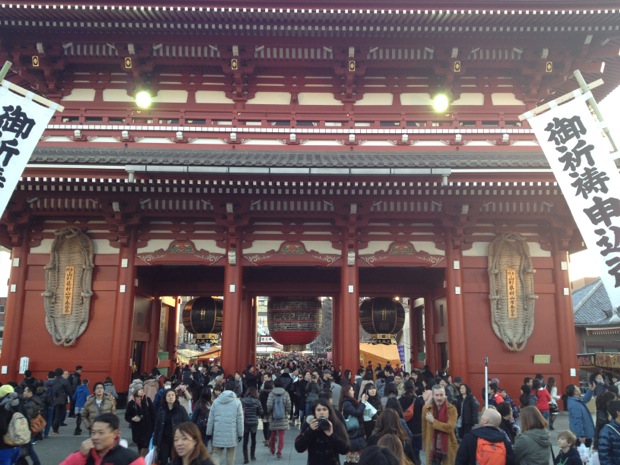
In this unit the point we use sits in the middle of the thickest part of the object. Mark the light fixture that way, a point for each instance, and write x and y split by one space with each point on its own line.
77 134
505 138
441 102
125 135
458 138
404 138
233 137
351 138
144 98
292 137
179 135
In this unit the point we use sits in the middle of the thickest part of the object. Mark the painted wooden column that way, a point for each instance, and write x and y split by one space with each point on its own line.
233 295
172 336
565 327
457 350
336 331
429 328
349 321
247 333
152 348
123 316
14 311
415 328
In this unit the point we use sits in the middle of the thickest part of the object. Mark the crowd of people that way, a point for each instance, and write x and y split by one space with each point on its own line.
380 413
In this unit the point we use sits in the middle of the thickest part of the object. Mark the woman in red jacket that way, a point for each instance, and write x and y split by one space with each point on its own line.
544 398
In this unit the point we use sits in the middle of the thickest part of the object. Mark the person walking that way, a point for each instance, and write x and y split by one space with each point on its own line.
188 446
252 411
80 396
609 437
97 403
263 396
532 446
438 425
579 418
169 415
61 392
279 408
225 424
140 414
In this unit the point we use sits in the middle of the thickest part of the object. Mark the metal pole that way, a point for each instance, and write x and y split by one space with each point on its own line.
584 88
486 383
5 70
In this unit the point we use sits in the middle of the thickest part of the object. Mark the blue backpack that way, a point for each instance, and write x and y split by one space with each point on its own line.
278 408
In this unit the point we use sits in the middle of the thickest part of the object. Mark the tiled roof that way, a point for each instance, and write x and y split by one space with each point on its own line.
592 306
289 159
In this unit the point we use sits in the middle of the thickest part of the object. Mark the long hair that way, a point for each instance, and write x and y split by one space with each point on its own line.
190 430
339 428
394 444
251 392
389 423
394 404
531 418
344 395
164 404
467 390
550 383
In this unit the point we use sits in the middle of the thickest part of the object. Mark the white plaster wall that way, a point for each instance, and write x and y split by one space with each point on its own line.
469 98
86 95
505 98
212 96
116 95
100 246
317 98
171 96
376 99
156 244
262 247
270 98
416 98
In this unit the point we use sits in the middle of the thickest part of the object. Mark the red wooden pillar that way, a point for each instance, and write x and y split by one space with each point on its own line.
429 326
152 347
349 321
233 287
14 313
121 350
247 334
336 332
457 350
415 327
565 318
172 336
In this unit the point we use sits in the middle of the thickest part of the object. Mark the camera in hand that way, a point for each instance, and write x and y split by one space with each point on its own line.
323 423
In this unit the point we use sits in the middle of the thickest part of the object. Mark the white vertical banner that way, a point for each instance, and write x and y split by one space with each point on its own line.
588 177
22 122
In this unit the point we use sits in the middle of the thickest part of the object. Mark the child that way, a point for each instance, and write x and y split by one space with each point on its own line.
79 396
568 452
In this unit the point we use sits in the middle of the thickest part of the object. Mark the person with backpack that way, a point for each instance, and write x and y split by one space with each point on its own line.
11 426
279 408
32 406
412 405
200 415
79 398
486 444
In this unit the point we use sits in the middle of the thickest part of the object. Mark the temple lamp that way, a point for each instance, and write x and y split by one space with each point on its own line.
144 99
441 102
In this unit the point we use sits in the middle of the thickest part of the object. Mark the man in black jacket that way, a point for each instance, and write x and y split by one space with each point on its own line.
75 379
487 432
61 392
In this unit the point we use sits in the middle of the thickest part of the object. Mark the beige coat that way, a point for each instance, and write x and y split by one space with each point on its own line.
90 412
428 428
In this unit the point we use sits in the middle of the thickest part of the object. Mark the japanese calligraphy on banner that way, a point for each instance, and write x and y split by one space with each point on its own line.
22 122
585 171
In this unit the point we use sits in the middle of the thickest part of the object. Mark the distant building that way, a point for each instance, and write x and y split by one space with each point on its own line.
597 323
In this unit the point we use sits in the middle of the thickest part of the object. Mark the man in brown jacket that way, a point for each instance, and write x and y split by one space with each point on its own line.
438 424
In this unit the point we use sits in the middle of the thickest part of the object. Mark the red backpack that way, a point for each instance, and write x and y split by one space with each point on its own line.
408 414
490 453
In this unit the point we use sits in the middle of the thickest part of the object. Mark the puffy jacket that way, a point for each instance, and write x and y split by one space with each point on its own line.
580 419
282 424
532 447
252 411
116 455
225 423
609 444
466 454
81 395
356 437
91 410
571 457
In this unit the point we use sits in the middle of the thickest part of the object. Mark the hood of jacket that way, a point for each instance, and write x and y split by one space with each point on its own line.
227 397
540 436
278 391
490 433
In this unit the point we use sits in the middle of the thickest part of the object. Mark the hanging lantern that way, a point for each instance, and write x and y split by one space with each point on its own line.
294 321
382 317
202 316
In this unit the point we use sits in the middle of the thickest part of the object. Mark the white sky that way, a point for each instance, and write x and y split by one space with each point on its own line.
582 264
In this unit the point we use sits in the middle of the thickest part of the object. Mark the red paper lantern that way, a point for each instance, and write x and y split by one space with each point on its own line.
294 321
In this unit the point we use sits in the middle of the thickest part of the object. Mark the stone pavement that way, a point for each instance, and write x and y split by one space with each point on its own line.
53 450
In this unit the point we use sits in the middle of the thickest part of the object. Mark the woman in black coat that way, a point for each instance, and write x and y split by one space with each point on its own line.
353 413
467 407
263 396
373 399
415 422
140 414
169 416
323 435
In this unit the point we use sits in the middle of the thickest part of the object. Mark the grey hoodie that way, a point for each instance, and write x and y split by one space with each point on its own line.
532 447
